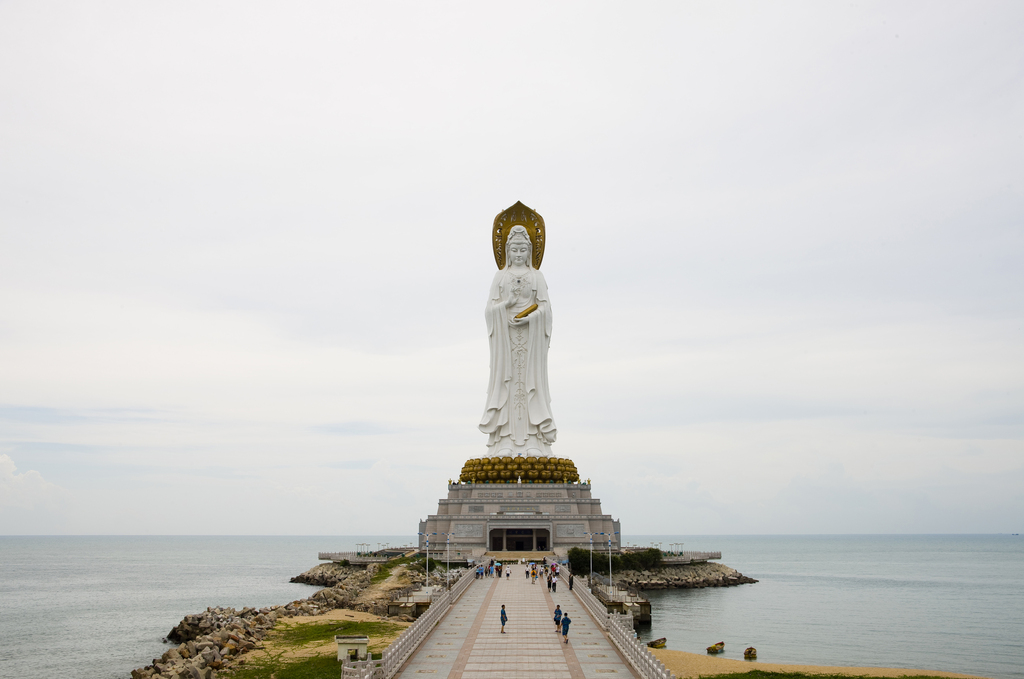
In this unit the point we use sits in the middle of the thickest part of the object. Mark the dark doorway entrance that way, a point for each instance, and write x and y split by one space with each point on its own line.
522 538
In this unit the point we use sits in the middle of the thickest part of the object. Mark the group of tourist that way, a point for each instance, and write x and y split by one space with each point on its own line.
562 622
550 573
491 570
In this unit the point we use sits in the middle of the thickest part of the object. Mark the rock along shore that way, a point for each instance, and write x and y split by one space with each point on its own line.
219 637
689 576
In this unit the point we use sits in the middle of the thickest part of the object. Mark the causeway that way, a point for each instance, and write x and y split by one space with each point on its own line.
467 643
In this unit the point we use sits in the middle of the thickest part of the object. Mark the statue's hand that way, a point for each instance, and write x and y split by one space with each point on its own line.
517 321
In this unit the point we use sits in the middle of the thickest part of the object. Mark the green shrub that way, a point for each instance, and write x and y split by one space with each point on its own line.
579 561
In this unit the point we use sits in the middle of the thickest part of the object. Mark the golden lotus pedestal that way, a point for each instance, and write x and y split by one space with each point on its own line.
530 470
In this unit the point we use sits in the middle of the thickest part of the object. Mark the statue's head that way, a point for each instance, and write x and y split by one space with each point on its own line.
518 247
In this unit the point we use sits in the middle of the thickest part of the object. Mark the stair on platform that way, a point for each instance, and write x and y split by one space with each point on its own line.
515 556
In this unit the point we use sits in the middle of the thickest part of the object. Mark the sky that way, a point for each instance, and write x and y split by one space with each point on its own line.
244 257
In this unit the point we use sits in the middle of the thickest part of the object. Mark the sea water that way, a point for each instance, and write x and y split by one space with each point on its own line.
98 607
940 602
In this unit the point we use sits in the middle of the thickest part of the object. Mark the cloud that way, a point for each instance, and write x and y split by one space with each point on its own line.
352 464
248 269
357 428
28 490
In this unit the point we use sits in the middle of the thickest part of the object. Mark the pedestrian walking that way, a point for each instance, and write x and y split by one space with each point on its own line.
527 572
549 583
570 582
504 618
508 574
558 618
554 584
565 627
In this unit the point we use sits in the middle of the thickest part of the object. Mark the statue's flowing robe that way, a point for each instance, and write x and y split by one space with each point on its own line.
518 397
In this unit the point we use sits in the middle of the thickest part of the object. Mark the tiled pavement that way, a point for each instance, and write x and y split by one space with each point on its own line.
467 643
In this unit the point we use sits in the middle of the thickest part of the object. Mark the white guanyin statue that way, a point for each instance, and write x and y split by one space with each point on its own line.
517 418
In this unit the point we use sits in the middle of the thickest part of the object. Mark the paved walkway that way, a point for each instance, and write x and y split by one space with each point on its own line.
467 643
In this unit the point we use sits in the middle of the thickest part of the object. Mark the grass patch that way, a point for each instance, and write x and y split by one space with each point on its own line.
416 563
419 565
382 574
300 635
317 667
276 664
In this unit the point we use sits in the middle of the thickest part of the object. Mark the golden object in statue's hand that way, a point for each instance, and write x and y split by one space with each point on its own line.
527 311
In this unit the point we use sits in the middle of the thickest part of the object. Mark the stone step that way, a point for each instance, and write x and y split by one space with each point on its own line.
529 556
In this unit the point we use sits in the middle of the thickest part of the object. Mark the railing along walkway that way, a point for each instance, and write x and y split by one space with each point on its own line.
678 558
400 649
620 629
353 557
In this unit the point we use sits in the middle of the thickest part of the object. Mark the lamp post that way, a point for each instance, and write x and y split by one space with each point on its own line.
610 561
590 575
447 558
428 555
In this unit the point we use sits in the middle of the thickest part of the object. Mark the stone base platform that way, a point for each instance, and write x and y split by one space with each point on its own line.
507 518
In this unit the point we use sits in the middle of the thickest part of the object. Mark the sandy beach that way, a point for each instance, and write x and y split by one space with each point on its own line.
688 665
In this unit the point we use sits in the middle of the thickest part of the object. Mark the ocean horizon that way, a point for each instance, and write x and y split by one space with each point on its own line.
99 606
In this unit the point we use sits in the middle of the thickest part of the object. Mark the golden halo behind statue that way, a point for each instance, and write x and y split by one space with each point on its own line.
518 214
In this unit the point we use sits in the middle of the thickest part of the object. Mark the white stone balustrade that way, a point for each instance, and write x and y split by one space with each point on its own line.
620 630
400 649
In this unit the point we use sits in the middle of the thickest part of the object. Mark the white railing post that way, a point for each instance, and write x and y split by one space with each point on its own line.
620 630
400 649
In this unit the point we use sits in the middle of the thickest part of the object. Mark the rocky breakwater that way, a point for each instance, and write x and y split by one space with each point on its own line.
220 637
689 576
211 640
332 574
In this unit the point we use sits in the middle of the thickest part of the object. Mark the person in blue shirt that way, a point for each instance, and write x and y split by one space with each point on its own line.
565 627
504 618
558 618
